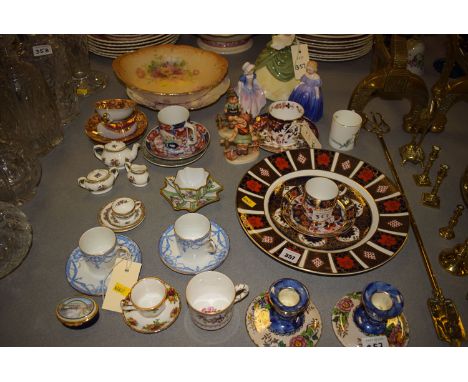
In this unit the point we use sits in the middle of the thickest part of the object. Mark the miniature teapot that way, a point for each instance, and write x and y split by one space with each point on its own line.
115 153
99 181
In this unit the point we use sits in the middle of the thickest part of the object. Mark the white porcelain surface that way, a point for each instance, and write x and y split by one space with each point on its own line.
193 235
192 177
137 174
116 154
344 129
123 207
99 181
148 296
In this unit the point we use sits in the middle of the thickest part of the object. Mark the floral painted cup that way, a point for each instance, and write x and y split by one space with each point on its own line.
100 249
124 208
148 296
193 235
211 297
191 182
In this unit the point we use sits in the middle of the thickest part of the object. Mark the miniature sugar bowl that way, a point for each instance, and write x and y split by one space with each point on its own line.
137 174
99 181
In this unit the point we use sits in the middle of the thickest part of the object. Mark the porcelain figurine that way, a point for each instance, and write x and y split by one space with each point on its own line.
309 93
137 174
245 141
275 69
251 95
116 153
99 181
232 109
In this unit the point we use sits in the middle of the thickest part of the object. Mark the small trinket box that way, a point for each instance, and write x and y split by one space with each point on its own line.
77 312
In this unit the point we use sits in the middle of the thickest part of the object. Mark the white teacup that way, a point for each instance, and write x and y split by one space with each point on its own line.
192 182
344 129
125 208
176 132
211 297
148 296
100 249
193 235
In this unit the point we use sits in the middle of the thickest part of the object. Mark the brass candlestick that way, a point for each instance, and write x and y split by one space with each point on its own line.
447 232
423 179
455 260
432 199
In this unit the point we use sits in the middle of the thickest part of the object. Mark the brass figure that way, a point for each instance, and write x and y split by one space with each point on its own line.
446 92
390 79
445 317
431 199
455 260
447 232
412 152
423 179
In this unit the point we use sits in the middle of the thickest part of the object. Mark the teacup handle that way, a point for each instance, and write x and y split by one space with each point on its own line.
193 139
347 204
342 189
81 182
126 305
212 247
242 290
137 204
121 249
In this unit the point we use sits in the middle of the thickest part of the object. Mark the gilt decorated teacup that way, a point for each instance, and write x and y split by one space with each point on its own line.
148 296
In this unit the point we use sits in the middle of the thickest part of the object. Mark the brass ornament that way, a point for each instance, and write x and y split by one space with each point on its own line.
455 260
447 232
423 178
431 199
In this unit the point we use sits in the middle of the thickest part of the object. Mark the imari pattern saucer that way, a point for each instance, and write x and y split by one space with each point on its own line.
141 324
377 235
178 202
397 331
257 321
87 282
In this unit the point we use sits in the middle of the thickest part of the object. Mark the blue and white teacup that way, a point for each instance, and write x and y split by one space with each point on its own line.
100 249
193 235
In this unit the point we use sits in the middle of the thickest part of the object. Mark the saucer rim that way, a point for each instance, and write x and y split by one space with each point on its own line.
215 266
170 164
207 143
136 257
172 320
122 229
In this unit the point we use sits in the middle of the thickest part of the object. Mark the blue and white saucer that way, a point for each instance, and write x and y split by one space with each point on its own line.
189 265
89 283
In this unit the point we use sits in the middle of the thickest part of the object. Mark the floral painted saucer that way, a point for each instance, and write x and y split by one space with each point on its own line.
94 131
169 252
179 202
106 218
141 324
294 214
87 282
257 320
155 146
397 331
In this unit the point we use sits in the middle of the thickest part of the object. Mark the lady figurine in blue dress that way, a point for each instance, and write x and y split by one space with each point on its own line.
251 95
309 93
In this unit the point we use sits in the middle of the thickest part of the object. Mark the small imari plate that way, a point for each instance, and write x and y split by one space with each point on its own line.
137 322
257 321
349 334
190 265
179 202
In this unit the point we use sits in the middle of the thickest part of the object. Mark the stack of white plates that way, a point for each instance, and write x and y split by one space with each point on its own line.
113 45
336 47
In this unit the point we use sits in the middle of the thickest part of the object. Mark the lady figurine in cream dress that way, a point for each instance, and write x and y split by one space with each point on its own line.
251 96
309 93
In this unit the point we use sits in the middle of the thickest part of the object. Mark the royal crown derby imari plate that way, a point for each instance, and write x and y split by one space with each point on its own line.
397 330
87 282
170 163
257 321
293 213
146 325
91 129
190 265
155 146
149 100
180 202
381 227
106 218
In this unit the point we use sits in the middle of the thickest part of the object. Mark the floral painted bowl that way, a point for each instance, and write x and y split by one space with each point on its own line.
175 73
